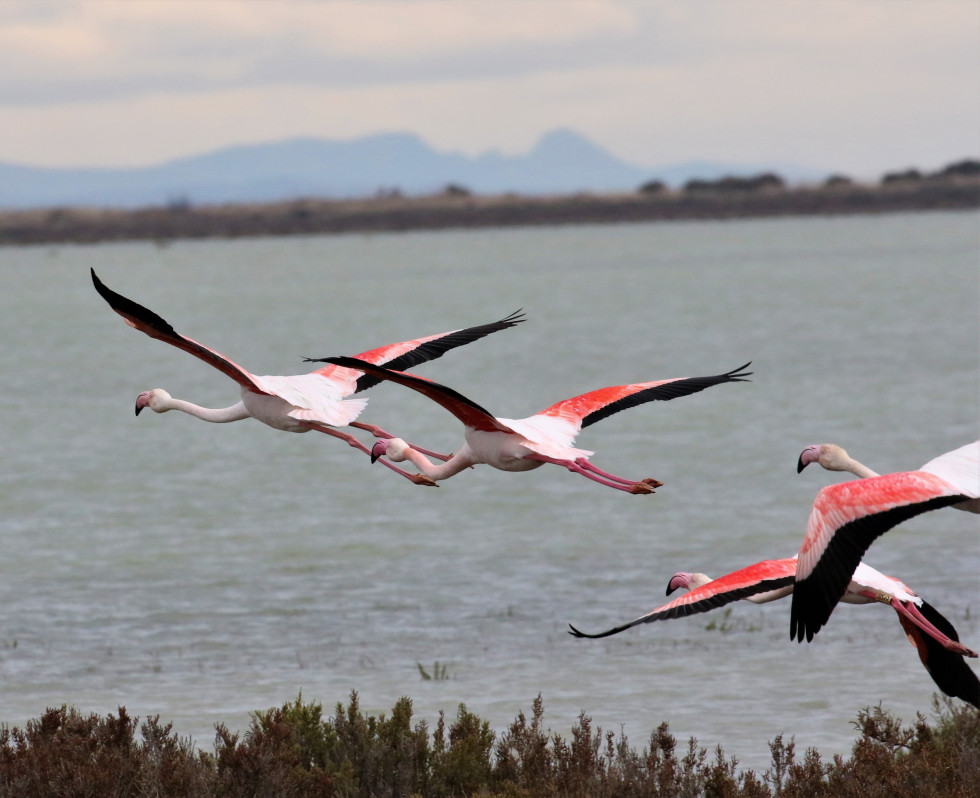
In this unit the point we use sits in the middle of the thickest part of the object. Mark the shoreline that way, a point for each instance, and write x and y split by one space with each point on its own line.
453 211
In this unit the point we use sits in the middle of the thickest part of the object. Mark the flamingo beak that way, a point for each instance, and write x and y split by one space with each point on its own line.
677 581
143 400
379 450
809 455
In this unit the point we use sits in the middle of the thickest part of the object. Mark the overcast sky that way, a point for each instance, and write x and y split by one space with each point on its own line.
857 86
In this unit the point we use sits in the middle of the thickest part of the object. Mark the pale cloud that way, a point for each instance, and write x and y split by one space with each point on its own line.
111 48
858 85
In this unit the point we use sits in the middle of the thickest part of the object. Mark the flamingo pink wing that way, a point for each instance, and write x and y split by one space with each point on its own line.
844 521
466 410
588 408
408 354
146 321
743 583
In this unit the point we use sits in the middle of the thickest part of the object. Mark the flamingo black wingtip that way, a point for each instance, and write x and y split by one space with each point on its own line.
132 311
99 285
795 627
514 318
740 374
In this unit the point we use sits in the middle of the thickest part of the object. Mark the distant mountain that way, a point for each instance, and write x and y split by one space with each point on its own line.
562 162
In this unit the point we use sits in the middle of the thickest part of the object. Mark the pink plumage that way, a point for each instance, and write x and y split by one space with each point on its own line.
546 437
847 518
932 634
315 401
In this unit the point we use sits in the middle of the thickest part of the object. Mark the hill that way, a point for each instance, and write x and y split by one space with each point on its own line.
562 162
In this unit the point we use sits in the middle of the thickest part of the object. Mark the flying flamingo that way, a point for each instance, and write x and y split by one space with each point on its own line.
314 401
523 444
847 518
933 635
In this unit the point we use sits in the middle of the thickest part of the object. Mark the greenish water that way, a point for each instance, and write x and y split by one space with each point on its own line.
202 571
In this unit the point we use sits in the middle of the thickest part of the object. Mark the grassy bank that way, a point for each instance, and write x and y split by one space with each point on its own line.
294 751
459 209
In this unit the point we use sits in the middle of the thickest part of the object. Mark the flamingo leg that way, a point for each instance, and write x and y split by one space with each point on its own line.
653 483
629 486
377 432
418 479
912 613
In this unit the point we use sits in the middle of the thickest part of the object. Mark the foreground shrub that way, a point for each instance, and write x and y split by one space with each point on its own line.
66 753
294 751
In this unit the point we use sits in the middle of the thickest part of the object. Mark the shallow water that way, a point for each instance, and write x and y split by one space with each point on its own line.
204 571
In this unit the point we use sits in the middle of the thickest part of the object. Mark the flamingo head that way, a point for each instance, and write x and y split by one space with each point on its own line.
394 448
156 400
683 580
828 455
380 449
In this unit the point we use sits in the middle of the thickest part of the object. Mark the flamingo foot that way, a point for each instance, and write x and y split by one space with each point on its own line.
422 479
653 483
641 488
914 616
959 648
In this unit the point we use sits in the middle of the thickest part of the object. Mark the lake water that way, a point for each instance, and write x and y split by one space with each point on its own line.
201 571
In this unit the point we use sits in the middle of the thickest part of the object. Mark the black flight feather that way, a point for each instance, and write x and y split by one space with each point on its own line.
702 605
430 350
666 392
815 596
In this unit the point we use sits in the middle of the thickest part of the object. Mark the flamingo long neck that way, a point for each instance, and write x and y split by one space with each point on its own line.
459 461
220 415
858 469
833 458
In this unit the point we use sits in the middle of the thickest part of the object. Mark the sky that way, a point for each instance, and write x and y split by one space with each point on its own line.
854 86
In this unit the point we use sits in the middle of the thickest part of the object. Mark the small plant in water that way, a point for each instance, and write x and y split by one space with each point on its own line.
440 673
725 625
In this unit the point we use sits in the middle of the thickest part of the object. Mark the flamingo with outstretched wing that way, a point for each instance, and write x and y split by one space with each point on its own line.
847 518
546 437
315 401
933 635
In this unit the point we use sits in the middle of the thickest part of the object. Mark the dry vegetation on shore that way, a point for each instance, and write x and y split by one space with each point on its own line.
294 751
457 208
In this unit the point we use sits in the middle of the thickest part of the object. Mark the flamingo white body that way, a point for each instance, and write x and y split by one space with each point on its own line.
508 453
847 518
933 635
309 402
319 400
525 444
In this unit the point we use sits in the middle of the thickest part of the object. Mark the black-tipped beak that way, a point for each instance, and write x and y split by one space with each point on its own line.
378 450
138 408
811 454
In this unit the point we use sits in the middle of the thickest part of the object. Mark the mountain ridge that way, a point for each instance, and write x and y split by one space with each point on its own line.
561 162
